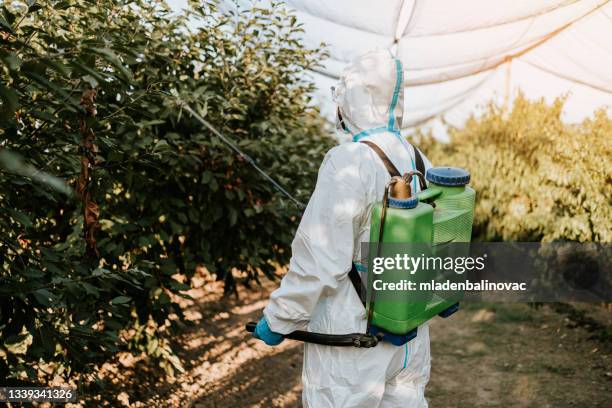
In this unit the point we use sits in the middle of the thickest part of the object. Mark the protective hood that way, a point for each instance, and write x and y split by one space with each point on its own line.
370 94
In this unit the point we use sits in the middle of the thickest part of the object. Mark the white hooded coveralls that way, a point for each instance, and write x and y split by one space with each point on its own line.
316 294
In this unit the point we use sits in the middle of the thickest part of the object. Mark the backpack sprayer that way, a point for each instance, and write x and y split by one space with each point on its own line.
439 214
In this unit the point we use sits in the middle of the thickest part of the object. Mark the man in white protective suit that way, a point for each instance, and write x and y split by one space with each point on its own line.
316 294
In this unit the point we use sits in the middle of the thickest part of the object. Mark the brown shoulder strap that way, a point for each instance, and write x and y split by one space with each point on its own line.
354 274
390 167
418 159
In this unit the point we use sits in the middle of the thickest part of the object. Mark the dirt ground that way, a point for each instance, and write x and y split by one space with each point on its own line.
484 356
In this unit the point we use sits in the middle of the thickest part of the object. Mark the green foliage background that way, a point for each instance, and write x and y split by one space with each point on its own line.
171 195
536 178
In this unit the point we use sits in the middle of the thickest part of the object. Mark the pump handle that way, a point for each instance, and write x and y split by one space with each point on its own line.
340 340
420 176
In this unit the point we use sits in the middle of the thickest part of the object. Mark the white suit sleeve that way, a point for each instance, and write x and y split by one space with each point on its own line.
322 250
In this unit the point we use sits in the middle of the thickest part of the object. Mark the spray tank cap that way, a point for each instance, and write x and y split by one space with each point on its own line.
403 203
448 176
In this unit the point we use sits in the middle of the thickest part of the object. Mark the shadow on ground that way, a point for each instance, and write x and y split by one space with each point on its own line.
487 355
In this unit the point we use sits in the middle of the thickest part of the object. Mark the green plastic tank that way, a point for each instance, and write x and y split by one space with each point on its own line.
438 215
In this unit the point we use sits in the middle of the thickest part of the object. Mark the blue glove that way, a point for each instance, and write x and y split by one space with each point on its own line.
263 332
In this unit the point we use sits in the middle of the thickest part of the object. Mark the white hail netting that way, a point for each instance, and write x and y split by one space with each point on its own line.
458 55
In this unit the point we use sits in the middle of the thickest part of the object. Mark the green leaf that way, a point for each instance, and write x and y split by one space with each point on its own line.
54 88
18 344
110 56
10 100
168 268
120 300
12 61
93 82
57 66
43 115
50 255
62 5
34 8
233 216
15 164
81 67
178 286
99 272
7 19
20 217
206 177
44 297
33 273
90 289
17 338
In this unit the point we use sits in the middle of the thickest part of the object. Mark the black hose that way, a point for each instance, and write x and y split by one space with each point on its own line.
338 340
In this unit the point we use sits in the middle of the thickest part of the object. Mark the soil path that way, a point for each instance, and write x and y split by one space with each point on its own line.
483 356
